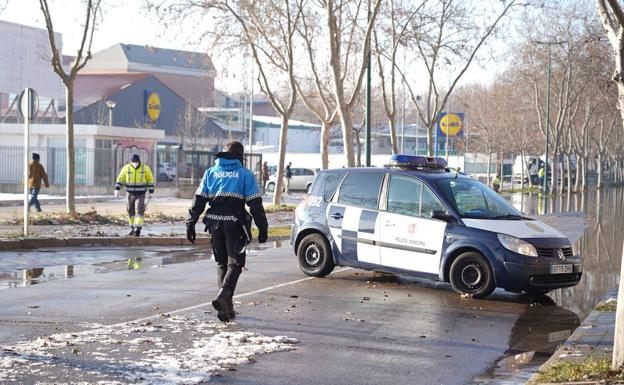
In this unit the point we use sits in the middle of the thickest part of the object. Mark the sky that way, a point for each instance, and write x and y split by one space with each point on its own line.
127 21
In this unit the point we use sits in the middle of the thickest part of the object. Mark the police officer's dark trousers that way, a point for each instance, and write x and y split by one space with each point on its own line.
228 246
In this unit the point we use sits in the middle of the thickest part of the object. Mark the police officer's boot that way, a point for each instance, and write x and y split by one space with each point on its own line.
230 307
137 232
131 233
220 303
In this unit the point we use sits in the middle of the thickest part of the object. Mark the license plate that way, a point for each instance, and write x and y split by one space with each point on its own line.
559 336
560 269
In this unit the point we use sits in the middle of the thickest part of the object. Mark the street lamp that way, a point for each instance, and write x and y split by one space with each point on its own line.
110 104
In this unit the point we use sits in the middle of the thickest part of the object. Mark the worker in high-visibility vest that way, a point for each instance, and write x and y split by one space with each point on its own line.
137 178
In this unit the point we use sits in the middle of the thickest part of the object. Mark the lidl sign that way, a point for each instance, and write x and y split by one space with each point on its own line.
152 106
451 124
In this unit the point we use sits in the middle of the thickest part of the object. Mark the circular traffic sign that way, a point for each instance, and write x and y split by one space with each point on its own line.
451 124
28 101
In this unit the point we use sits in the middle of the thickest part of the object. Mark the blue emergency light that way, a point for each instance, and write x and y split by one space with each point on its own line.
415 162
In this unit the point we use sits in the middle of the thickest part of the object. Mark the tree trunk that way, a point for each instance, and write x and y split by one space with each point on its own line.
489 167
430 142
584 174
347 132
70 192
554 175
393 135
325 128
618 338
522 172
577 174
569 166
599 185
279 183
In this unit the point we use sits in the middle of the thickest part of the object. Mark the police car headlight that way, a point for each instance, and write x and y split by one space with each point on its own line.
517 245
575 249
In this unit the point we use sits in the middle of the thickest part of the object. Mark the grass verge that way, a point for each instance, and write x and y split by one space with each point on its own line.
279 208
588 370
607 306
91 217
279 231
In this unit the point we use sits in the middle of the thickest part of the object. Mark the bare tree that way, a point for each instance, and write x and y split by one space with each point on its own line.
612 17
342 18
191 125
449 31
82 57
389 36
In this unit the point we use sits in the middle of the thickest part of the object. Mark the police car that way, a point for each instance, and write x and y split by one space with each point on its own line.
417 217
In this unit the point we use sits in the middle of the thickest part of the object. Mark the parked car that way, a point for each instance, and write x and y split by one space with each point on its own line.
166 171
301 180
417 217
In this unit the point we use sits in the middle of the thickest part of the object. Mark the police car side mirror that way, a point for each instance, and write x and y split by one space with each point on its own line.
441 215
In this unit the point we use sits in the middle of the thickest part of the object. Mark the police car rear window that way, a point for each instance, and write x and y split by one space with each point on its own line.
326 183
361 189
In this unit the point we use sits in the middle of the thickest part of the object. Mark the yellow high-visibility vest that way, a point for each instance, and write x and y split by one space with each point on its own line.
136 180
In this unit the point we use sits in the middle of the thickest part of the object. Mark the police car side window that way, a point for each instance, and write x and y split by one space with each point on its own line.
404 195
361 189
429 203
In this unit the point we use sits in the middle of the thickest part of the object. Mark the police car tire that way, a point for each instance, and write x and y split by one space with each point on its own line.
471 263
315 257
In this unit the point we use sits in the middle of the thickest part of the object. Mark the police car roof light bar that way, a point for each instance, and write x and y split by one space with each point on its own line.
415 162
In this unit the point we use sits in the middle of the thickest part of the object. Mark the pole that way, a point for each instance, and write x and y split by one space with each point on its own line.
417 128
26 150
251 115
448 125
110 116
403 107
368 100
547 126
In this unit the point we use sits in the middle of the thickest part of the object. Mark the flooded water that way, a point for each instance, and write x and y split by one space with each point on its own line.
546 325
25 268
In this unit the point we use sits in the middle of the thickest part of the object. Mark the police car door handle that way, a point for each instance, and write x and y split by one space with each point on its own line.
336 216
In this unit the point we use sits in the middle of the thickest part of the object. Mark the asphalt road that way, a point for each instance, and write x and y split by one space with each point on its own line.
354 327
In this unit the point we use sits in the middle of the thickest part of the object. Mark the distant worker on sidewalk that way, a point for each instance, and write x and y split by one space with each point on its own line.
265 176
288 174
36 174
541 174
137 178
496 183
226 187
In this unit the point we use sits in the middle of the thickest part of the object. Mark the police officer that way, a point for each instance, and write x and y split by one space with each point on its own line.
137 179
226 188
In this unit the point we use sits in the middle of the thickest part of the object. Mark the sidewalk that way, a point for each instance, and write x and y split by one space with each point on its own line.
593 339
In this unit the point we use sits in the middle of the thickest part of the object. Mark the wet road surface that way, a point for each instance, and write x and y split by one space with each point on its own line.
353 327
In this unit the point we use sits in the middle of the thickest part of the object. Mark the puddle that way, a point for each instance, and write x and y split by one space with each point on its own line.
26 268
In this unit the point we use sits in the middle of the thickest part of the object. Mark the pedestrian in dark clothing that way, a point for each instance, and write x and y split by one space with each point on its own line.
265 176
226 187
288 174
36 174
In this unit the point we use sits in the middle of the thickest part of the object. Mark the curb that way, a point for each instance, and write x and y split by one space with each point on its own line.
575 341
36 243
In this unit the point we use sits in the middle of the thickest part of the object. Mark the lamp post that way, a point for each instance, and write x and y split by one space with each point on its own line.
368 99
110 104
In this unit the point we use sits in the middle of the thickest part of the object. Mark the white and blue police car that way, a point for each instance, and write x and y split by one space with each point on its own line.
417 217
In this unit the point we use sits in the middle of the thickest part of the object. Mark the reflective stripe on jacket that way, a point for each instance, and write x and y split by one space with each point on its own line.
136 181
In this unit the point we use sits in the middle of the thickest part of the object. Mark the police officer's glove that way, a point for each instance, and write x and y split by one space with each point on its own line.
190 233
263 235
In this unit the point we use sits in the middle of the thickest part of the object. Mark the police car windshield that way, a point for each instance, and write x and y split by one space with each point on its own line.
473 199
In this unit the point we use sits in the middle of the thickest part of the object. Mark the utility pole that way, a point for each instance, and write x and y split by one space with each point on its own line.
368 101
547 121
251 96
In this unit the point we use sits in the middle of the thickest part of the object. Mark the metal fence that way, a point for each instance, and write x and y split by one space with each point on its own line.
100 166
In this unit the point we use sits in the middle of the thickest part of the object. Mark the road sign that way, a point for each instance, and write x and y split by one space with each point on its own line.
28 95
451 123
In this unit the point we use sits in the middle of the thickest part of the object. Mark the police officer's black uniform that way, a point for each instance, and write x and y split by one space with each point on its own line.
226 188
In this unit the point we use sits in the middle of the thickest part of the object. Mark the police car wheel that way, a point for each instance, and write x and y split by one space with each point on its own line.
271 187
471 274
315 256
